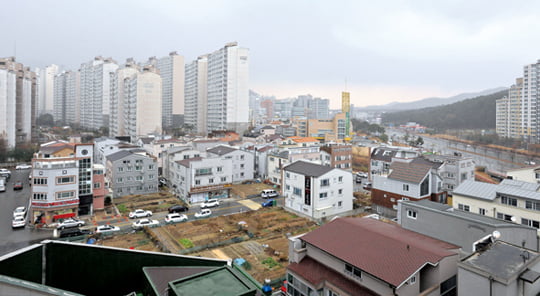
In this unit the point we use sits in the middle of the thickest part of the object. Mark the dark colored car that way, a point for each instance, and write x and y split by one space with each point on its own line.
178 209
268 203
71 232
18 185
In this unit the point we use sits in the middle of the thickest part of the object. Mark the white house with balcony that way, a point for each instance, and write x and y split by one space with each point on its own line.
317 191
198 179
276 160
243 162
174 154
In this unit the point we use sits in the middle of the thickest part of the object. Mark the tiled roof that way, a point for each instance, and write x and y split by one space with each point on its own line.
408 172
381 249
221 150
316 274
185 162
308 168
475 189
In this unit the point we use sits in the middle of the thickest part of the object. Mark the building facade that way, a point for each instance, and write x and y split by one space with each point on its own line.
196 95
131 172
119 103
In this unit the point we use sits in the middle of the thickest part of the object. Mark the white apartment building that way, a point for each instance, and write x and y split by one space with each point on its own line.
196 94
117 122
243 161
279 159
171 69
66 97
228 89
7 105
96 92
511 200
142 108
174 154
317 191
198 179
45 100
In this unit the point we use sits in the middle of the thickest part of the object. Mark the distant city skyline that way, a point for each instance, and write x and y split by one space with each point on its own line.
379 52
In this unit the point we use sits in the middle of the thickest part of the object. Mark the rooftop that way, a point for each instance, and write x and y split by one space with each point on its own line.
381 249
408 172
308 168
221 150
487 191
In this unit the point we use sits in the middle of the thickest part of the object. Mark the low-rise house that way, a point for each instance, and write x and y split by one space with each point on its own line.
174 154
243 161
461 228
529 174
500 268
454 171
364 256
132 172
405 181
511 200
316 191
205 144
157 149
277 159
198 179
260 154
382 157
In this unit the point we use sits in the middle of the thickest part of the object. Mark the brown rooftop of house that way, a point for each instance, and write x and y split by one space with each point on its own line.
408 172
381 249
317 273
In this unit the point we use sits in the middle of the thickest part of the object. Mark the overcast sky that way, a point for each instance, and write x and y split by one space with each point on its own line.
380 51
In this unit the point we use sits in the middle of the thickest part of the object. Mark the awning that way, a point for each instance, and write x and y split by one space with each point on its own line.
64 216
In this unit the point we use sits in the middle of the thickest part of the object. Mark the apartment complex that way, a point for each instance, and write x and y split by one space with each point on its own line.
516 114
196 94
117 122
67 97
45 102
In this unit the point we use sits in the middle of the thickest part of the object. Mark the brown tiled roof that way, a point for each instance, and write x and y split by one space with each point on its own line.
408 172
381 249
316 274
185 162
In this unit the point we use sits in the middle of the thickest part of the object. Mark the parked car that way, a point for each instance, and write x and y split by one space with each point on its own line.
268 203
70 223
139 213
107 228
178 209
210 203
203 213
139 224
367 186
5 173
269 193
18 185
71 232
18 221
175 218
23 167
19 212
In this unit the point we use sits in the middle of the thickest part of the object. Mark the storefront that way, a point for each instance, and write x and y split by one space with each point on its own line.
47 213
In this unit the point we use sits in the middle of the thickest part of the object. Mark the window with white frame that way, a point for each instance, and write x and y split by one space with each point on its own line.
531 223
482 211
39 196
411 214
340 191
120 180
297 191
120 169
323 195
405 187
65 194
340 179
532 205
197 182
353 271
412 281
463 207
325 182
65 180
506 200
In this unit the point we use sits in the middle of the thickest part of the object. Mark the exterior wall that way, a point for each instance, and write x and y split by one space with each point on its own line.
7 105
99 191
492 208
242 162
118 98
196 94
126 179
103 148
334 203
145 104
524 174
459 231
274 166
171 70
337 156
171 158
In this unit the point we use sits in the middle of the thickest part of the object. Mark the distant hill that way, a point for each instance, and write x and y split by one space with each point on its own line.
430 102
475 113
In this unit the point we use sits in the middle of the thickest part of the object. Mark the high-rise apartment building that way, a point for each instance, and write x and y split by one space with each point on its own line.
67 97
228 90
17 101
196 94
117 121
142 103
45 101
95 92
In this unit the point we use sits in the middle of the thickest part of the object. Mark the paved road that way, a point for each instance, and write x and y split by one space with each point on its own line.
12 239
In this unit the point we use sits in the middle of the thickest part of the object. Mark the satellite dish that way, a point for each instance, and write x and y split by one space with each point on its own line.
496 234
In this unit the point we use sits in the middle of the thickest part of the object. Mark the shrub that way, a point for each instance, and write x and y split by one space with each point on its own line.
186 243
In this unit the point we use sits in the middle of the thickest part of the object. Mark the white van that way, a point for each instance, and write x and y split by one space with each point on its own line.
269 193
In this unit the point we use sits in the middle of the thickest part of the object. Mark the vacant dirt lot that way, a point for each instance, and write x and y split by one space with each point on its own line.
259 237
245 190
156 202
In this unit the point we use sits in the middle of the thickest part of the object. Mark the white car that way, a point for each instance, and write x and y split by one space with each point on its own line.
69 223
144 222
19 212
107 228
203 213
139 213
18 222
210 203
23 167
175 218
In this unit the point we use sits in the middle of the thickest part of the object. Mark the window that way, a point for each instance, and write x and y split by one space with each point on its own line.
139 178
287 175
411 214
129 168
150 177
532 205
297 191
138 167
139 188
65 180
339 204
505 217
340 191
405 187
203 171
129 178
211 180
97 185
287 187
340 179
39 196
413 280
508 201
353 271
323 195
119 180
482 211
463 176
242 166
241 157
463 207
151 166
223 179
532 223
120 169
40 181
197 182
424 187
220 169
66 194
325 182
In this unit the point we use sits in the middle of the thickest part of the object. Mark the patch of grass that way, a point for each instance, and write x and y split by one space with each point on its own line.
122 209
270 262
186 243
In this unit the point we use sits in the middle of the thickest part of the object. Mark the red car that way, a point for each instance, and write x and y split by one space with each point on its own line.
18 185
